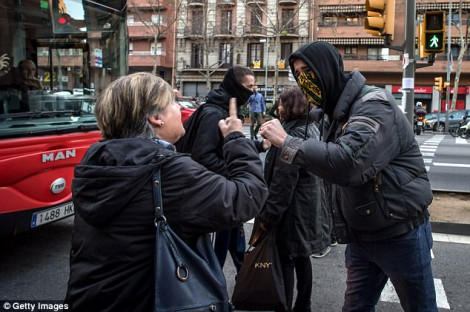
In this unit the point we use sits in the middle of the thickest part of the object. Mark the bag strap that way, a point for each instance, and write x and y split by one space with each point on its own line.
182 270
157 197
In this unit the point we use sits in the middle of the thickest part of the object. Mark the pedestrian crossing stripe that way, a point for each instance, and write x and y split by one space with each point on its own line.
389 294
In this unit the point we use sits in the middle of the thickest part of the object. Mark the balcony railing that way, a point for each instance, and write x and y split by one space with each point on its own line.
223 31
226 2
145 53
195 3
254 2
365 57
287 2
193 31
292 31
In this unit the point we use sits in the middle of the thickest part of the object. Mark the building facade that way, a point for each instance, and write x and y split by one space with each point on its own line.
151 26
212 35
260 34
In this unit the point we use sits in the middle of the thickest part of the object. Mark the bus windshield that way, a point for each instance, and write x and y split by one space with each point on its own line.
55 56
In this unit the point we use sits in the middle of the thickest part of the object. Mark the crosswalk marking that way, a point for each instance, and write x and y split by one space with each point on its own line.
452 165
428 149
389 294
428 154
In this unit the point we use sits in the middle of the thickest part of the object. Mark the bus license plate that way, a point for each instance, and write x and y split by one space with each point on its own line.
52 214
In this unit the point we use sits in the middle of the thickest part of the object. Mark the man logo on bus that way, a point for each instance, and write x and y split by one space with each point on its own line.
58 155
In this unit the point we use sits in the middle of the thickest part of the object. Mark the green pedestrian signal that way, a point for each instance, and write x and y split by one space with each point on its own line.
434 29
434 42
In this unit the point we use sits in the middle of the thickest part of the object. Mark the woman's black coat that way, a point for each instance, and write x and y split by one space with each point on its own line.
295 205
113 244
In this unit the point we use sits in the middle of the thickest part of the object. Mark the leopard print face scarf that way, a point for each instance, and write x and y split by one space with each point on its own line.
309 85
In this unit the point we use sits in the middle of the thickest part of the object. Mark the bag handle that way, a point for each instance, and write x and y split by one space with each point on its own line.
182 270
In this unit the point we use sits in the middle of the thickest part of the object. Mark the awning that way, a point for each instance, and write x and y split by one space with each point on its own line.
353 41
334 9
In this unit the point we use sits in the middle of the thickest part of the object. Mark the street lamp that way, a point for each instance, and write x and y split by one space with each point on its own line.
265 41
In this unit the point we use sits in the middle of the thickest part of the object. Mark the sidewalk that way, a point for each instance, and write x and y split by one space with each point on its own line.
450 238
450 213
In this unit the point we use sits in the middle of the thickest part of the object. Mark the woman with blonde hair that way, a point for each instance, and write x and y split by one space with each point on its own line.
113 245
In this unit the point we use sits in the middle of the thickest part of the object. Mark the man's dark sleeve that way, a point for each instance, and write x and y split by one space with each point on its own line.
208 144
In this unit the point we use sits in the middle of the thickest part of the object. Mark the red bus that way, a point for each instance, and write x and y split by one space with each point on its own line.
55 55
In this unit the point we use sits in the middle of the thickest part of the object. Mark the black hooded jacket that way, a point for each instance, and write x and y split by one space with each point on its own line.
377 182
113 244
203 139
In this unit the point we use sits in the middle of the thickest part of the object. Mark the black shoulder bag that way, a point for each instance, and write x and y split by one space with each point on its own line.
185 279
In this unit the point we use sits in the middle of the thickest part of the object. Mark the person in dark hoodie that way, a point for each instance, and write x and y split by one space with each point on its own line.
376 182
113 245
204 141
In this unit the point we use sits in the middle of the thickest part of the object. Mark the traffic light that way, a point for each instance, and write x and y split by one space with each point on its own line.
445 87
63 22
63 19
434 29
421 41
380 17
438 84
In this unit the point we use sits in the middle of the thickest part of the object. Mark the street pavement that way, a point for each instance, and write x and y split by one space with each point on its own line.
35 266
450 266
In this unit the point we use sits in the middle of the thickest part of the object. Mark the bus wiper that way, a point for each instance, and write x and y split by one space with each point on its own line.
40 114
80 128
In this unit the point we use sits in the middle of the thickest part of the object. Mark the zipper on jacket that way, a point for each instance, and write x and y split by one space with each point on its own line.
377 182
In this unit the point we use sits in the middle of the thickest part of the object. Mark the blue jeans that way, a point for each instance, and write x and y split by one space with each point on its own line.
405 259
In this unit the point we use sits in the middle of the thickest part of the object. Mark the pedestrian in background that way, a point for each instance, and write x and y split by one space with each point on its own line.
378 188
296 205
112 260
257 108
204 141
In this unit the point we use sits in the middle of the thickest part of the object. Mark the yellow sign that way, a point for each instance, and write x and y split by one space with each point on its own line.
256 63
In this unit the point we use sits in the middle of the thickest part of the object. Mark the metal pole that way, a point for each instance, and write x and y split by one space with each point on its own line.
408 83
266 71
449 68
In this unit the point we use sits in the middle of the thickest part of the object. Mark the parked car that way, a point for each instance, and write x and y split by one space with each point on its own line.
187 108
437 122
190 99
427 117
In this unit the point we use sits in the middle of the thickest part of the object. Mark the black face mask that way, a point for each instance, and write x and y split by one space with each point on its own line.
235 89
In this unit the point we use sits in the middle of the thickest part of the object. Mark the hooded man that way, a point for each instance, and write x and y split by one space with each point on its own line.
376 182
204 141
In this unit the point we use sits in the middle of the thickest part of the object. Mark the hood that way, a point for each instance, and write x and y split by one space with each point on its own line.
327 64
234 88
221 98
111 174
